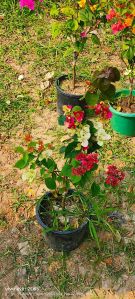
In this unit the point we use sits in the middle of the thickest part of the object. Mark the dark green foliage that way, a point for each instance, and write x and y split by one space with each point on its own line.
102 81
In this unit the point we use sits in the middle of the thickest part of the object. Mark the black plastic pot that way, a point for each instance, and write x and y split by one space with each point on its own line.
60 240
64 98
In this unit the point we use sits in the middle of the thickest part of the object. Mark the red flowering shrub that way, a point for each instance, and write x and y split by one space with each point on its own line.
103 110
114 176
87 162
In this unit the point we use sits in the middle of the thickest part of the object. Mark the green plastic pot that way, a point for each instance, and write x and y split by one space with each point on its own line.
123 123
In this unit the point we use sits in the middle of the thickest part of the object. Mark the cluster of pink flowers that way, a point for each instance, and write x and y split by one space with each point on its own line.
114 176
103 110
28 3
119 26
111 15
87 162
73 117
122 20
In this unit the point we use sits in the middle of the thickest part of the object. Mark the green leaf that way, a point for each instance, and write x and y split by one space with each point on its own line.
90 112
75 163
85 15
91 98
71 25
50 183
110 92
61 120
54 11
55 29
51 165
19 149
71 146
95 189
114 74
95 39
22 163
68 11
42 170
76 108
62 149
79 45
93 233
66 170
103 84
75 179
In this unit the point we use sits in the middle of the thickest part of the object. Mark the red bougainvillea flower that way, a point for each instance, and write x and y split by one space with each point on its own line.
31 149
79 115
87 162
80 156
27 3
103 110
85 148
111 14
40 146
70 122
88 82
79 171
117 27
83 34
28 138
114 176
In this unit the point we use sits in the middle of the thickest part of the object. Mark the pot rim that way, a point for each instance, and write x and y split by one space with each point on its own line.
126 91
59 232
57 85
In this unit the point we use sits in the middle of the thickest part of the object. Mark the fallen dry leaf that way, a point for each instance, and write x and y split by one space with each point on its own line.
54 267
1 17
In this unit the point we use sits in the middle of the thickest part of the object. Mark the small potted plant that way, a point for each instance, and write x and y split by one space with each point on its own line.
121 16
74 21
66 211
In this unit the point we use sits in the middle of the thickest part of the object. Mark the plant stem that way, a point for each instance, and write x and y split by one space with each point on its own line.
131 79
74 68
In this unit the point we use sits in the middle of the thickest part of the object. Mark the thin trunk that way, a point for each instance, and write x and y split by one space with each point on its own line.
74 68
131 79
74 74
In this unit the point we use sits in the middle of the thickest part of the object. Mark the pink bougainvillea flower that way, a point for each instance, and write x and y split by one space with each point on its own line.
117 27
114 175
41 1
79 115
111 14
27 3
83 34
70 122
69 107
109 115
103 110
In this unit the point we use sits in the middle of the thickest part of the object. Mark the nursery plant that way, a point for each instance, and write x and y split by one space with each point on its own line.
121 18
66 211
75 22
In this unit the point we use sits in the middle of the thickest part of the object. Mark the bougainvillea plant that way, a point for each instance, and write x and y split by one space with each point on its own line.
75 21
121 17
83 138
102 90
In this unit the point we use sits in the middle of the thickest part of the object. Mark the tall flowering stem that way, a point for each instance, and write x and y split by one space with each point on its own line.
122 21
